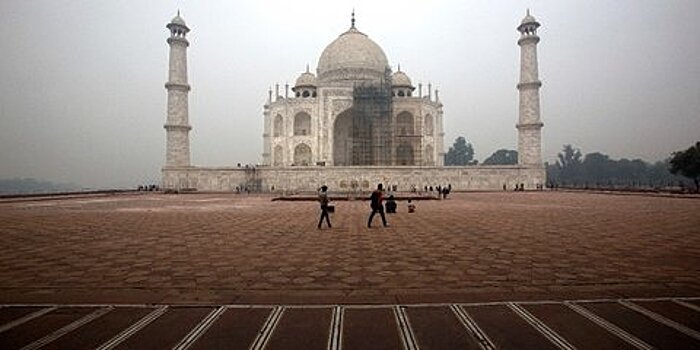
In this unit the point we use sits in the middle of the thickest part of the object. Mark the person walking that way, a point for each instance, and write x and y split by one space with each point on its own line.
323 199
377 207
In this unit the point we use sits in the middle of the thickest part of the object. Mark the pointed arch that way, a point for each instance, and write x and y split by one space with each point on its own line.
302 124
277 128
404 155
404 124
302 155
351 139
429 125
428 155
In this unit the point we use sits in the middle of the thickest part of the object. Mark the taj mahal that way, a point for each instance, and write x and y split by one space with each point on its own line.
353 124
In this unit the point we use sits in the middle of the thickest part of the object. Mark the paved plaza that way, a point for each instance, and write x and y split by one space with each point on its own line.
504 270
228 248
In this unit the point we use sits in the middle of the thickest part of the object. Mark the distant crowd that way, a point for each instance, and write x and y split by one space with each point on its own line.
148 188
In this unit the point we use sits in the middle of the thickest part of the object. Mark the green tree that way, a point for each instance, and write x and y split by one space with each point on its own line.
687 163
461 153
569 164
502 157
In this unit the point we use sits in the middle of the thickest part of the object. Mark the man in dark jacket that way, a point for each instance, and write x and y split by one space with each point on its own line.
323 199
376 204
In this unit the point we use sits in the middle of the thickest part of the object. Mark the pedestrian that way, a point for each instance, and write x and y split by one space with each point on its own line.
377 206
323 199
391 205
411 207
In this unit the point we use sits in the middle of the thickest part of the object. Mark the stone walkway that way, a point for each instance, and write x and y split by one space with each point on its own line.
238 249
661 323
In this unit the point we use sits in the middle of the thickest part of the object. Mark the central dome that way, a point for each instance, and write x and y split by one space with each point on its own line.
352 57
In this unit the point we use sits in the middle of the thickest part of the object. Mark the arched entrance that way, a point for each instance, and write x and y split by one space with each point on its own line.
351 140
404 155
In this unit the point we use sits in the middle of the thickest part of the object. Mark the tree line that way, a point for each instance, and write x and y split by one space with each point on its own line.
597 170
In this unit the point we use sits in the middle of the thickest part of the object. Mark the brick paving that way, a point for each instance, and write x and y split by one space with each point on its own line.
239 249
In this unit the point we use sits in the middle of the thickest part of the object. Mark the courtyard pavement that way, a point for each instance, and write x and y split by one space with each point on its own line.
247 249
504 270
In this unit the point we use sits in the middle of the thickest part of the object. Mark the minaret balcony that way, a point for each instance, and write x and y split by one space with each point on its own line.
529 126
179 40
528 39
177 127
529 85
177 86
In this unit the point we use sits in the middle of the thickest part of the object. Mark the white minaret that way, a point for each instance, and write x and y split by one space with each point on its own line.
529 125
177 126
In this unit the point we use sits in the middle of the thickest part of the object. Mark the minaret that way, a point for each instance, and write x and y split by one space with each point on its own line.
529 125
177 126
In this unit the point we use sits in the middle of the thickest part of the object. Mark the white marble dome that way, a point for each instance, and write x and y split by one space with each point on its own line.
400 79
352 56
306 79
178 20
528 18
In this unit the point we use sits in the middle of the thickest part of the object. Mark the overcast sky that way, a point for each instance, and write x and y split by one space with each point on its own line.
82 97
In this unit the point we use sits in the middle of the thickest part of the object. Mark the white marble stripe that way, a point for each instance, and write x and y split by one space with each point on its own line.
200 328
68 328
541 327
268 328
686 304
661 319
407 336
632 340
476 331
137 326
26 318
335 337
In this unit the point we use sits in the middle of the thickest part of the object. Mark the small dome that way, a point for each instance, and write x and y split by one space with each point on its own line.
306 79
400 79
528 18
178 20
351 53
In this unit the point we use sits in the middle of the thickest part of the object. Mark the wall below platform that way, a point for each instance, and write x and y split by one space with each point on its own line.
349 179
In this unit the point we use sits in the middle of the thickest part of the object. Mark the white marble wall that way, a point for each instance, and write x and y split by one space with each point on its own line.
351 179
324 109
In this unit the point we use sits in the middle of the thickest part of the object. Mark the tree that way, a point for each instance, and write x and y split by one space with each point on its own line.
598 166
687 163
569 163
502 157
598 169
461 153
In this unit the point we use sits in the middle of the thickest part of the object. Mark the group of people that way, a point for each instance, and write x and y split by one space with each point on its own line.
442 191
376 204
148 188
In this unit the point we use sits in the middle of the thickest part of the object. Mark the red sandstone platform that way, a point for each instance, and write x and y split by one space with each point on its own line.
479 270
206 248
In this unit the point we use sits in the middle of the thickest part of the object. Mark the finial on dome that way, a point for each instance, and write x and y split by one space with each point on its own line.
352 19
399 69
178 12
307 68
527 12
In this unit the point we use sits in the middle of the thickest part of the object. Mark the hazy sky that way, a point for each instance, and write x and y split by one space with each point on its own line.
82 97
